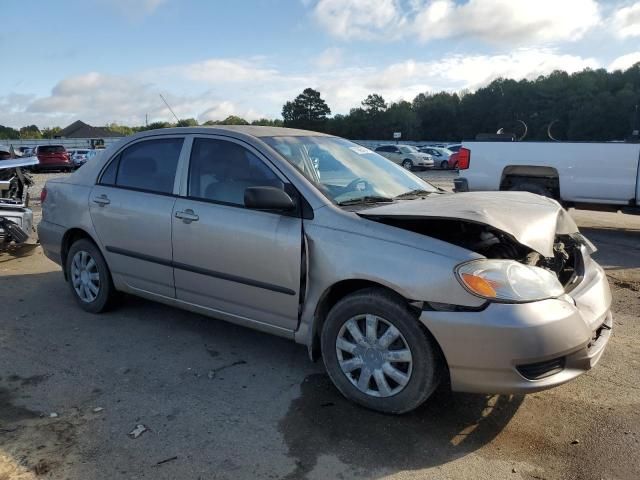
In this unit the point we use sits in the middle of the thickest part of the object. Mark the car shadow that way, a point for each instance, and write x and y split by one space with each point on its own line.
199 385
447 427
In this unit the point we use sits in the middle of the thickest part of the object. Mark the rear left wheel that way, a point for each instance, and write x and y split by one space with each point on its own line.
89 277
444 165
377 354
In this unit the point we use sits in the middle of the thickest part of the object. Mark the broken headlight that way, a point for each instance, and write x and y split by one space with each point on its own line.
508 281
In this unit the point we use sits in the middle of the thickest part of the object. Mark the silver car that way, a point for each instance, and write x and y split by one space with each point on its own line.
395 284
406 155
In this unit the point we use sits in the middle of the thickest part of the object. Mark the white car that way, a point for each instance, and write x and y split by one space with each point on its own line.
406 155
440 155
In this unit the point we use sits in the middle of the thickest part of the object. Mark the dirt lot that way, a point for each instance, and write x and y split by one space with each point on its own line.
219 401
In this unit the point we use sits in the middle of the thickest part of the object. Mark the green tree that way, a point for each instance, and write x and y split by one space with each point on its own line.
374 104
8 133
307 110
187 122
234 120
50 132
30 131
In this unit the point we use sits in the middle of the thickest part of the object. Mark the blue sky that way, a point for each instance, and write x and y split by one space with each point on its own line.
108 60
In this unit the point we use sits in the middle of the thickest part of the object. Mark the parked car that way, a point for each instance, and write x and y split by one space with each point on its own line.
81 156
395 284
454 147
440 155
569 172
406 155
52 157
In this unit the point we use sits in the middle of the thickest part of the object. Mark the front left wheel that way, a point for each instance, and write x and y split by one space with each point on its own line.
377 354
407 164
89 277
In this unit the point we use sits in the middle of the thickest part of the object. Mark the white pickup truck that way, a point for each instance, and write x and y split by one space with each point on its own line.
595 176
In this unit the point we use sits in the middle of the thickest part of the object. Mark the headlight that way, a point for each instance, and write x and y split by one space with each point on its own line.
508 281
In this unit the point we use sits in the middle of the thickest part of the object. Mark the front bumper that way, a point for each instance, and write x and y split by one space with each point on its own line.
492 350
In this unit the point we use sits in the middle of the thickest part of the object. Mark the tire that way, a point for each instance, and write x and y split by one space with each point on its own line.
407 164
444 165
93 302
422 372
532 188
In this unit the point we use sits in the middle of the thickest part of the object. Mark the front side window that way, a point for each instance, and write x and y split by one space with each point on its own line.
408 149
149 165
221 171
346 172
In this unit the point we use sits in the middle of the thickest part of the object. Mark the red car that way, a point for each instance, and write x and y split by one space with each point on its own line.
52 157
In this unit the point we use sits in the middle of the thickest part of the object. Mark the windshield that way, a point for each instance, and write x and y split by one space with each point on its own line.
408 149
346 172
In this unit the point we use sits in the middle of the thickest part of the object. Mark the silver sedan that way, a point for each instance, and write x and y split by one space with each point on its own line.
393 283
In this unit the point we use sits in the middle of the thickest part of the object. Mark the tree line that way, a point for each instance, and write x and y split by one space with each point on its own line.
594 105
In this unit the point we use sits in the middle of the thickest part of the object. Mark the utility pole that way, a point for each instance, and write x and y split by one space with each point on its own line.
170 109
146 119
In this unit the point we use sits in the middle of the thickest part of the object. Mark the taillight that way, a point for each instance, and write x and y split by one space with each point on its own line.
43 195
464 158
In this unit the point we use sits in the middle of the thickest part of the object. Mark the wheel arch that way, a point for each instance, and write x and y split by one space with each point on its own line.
332 295
69 238
544 176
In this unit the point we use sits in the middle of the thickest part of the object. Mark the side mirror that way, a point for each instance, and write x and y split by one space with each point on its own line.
268 198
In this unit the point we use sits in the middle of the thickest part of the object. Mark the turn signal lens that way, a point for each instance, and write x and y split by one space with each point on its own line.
479 285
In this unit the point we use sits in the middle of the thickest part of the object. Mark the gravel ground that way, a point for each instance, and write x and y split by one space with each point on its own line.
219 401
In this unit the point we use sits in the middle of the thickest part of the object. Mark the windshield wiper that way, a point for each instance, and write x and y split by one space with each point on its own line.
412 193
367 199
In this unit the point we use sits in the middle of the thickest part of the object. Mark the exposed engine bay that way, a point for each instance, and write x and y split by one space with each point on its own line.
14 186
495 244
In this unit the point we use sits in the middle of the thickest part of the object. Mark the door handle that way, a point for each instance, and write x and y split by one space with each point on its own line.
102 200
187 216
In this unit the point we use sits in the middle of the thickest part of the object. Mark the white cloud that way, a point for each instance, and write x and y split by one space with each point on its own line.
493 21
135 9
224 71
626 21
100 98
349 19
625 61
331 57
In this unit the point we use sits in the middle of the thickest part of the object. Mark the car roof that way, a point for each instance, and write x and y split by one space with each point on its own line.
250 130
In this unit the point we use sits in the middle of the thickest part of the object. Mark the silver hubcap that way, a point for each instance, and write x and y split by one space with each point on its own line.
374 355
85 276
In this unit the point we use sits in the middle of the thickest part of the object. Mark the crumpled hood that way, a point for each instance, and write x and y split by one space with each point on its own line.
531 219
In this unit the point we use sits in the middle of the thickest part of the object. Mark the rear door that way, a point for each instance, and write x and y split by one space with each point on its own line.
238 262
131 211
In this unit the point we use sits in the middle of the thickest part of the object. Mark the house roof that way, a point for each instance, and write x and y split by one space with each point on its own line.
79 129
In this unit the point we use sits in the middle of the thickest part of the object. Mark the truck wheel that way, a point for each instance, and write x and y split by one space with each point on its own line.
89 277
377 354
532 188
408 164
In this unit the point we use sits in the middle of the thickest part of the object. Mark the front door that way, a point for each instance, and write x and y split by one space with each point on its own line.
131 209
229 259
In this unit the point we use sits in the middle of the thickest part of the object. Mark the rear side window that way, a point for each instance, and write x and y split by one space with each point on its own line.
51 149
149 165
221 171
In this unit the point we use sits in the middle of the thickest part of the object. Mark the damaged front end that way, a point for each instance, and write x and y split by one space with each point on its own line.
523 227
16 218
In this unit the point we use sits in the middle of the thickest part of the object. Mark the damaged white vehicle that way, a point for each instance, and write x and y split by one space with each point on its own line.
16 218
396 284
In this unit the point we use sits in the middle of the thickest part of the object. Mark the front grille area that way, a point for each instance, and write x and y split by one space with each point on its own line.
540 370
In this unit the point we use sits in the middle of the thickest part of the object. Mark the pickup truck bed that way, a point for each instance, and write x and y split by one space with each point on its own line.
585 174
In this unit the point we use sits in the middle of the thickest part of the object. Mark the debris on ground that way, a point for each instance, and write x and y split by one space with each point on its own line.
139 430
167 460
575 442
53 415
98 409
